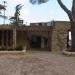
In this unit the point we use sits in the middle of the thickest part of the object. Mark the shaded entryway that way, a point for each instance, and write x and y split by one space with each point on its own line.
38 42
6 40
35 41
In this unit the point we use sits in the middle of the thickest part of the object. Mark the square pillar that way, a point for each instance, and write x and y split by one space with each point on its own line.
49 40
7 39
14 38
42 42
2 38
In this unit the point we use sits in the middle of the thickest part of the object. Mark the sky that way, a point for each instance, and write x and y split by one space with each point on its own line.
37 13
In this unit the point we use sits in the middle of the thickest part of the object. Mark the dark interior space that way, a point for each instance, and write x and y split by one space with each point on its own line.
5 39
35 42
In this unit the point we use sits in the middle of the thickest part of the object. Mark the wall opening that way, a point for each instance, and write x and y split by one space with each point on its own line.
35 41
69 40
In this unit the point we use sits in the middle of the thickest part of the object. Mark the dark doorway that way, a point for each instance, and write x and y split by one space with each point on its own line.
35 42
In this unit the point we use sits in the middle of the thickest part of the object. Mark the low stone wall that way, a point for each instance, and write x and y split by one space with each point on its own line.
68 53
13 52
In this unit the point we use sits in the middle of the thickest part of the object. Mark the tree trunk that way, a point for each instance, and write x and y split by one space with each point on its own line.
71 15
73 26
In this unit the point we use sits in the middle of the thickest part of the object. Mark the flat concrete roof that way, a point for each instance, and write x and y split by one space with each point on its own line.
25 28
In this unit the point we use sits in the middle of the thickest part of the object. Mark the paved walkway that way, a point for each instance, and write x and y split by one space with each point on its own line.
37 63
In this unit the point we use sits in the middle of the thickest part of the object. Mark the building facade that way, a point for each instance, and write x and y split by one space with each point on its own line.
43 36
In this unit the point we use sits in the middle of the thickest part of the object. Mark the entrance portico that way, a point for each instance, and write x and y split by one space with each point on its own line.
13 37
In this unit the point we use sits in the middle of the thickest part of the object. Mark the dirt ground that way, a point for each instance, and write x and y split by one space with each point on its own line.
37 63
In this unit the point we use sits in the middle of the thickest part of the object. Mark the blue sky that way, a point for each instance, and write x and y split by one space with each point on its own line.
37 13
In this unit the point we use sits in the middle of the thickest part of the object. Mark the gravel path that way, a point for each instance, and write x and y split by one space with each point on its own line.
37 63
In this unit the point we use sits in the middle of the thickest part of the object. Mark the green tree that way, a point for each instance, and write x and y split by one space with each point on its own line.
16 18
70 13
2 7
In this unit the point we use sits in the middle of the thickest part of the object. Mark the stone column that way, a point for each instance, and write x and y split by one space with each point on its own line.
2 38
49 39
14 38
42 42
49 44
7 39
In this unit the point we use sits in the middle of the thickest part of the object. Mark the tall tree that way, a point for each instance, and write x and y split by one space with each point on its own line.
71 15
16 18
2 7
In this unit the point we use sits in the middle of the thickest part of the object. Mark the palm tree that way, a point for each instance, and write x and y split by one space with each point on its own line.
70 13
2 7
16 18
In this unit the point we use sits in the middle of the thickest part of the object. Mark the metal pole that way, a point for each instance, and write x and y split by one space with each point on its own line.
4 11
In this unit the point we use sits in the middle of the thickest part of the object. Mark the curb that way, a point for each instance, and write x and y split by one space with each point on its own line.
65 52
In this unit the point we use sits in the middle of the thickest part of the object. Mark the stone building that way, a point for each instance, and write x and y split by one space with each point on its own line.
51 36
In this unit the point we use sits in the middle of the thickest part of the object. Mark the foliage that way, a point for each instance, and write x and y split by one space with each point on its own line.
2 7
15 19
38 1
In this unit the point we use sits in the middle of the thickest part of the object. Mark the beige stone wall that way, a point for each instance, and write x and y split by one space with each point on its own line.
57 38
59 35
21 39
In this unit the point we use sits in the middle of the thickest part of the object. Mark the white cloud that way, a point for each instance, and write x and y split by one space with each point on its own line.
19 1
